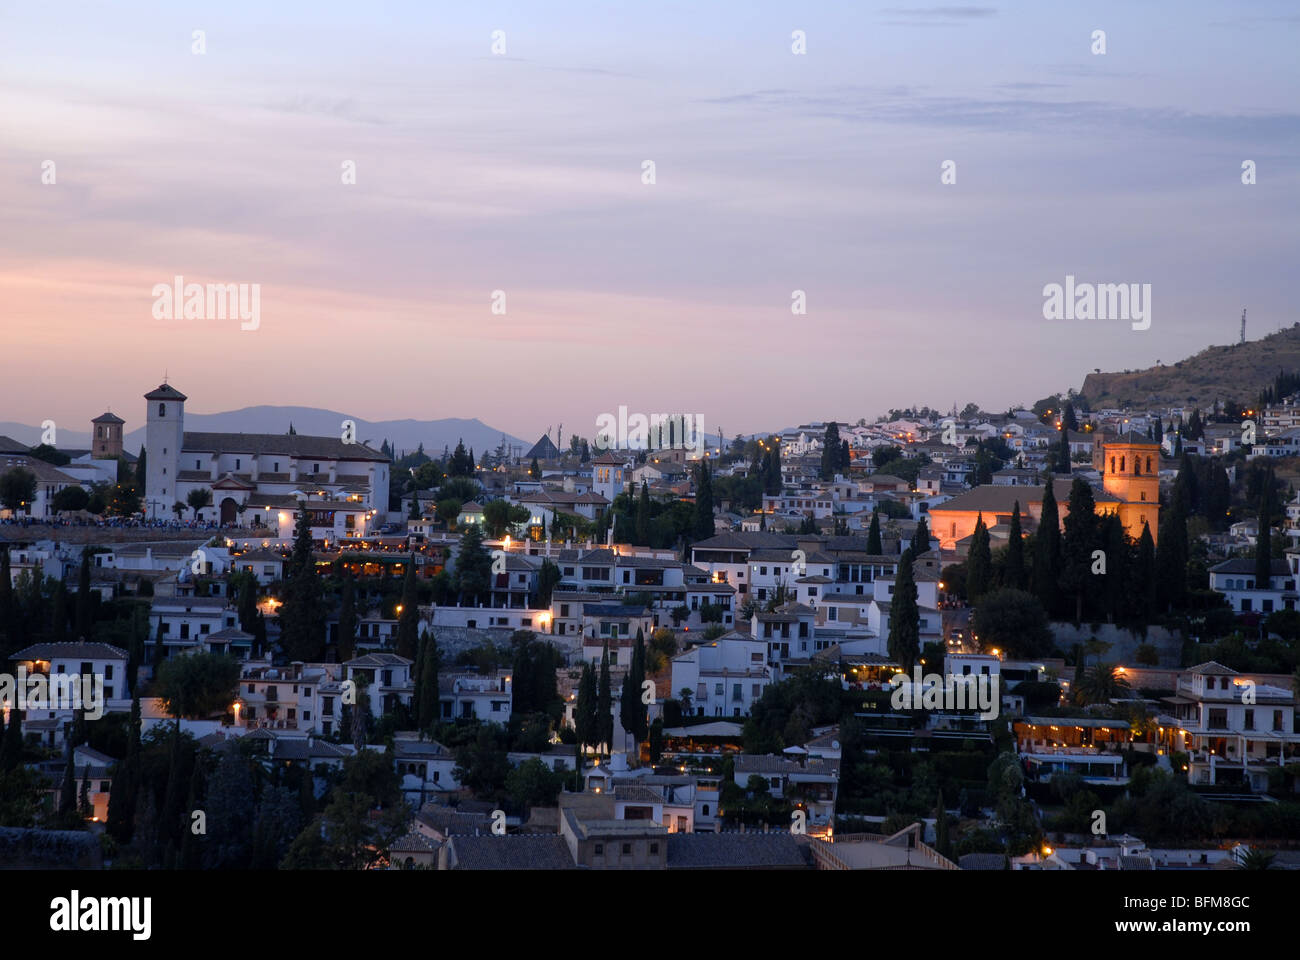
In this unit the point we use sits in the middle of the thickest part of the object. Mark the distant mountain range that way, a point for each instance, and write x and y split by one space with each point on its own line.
404 435
1236 372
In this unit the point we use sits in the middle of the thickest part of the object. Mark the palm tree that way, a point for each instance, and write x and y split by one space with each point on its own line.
685 696
1099 684
1254 859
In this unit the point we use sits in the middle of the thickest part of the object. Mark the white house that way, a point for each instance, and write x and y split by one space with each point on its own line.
726 676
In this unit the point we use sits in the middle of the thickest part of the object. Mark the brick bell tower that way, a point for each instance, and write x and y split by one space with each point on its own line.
1131 472
106 436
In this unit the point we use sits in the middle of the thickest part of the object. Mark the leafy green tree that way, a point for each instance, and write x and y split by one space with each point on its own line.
482 764
1012 621
473 568
70 499
449 509
198 685
17 489
198 499
533 784
548 578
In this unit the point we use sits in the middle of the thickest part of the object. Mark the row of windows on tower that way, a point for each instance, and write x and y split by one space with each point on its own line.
1123 465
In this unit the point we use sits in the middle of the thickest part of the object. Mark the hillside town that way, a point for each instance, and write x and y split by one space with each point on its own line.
1049 638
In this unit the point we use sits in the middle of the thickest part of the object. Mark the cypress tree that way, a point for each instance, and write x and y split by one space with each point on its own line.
1014 571
68 792
942 840
585 717
59 613
979 562
83 597
874 545
169 824
1172 552
191 857
1118 572
347 635
1082 538
83 800
643 516
631 711
703 502
11 753
302 626
1145 579
259 635
605 701
6 603
427 708
921 539
248 603
122 796
1047 552
408 619
1263 543
904 617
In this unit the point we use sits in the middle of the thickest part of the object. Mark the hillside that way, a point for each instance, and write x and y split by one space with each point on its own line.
1237 372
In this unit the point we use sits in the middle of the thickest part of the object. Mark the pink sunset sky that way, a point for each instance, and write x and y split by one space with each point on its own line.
521 172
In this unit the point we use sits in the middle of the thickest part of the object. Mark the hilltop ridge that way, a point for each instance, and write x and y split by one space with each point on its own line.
1237 371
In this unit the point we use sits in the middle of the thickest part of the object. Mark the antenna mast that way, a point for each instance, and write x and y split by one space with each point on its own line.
1243 326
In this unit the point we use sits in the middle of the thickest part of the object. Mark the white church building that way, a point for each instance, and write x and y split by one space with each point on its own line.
258 479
